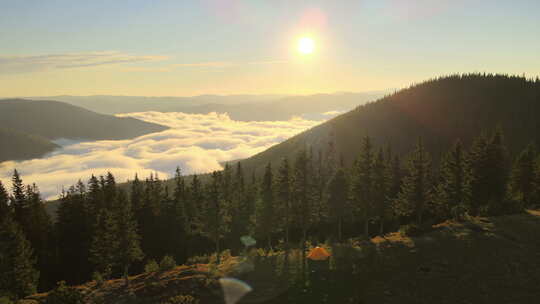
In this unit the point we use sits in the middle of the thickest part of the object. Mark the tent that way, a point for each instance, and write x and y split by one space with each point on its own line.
318 254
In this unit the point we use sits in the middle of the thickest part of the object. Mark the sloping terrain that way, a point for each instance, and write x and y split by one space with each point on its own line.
439 111
480 260
19 146
52 119
27 127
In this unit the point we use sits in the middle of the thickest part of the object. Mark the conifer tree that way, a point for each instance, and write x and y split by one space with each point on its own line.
5 209
74 228
105 245
266 215
522 178
18 276
337 200
452 192
497 173
477 175
300 195
283 199
128 239
380 190
38 230
416 187
362 185
18 199
215 213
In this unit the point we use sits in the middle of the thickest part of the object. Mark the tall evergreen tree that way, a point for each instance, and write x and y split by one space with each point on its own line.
19 202
523 177
18 276
74 226
362 185
338 189
129 249
416 187
38 230
5 209
266 215
104 248
283 199
380 190
452 192
215 213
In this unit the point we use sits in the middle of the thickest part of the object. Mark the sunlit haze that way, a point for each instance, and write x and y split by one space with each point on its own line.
185 48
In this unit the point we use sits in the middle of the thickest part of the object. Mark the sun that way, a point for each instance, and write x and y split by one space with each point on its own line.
306 45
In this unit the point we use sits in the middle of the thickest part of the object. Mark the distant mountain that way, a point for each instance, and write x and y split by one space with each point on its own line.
439 111
19 146
28 126
239 107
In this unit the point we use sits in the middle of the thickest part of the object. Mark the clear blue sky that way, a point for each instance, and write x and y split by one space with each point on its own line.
181 47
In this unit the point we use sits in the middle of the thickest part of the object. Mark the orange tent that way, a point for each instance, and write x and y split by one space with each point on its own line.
318 254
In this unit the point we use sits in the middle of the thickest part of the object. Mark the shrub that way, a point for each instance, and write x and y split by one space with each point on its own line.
64 294
414 229
151 266
167 263
98 278
458 212
5 300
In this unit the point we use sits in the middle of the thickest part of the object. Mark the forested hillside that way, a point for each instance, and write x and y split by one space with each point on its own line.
52 119
19 145
438 110
27 127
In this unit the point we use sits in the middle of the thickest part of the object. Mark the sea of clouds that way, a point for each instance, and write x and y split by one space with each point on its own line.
197 143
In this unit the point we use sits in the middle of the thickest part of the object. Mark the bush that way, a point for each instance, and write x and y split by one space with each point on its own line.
414 229
458 212
151 266
64 294
5 300
167 263
98 278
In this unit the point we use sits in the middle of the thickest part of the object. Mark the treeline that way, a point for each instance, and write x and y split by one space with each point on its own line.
104 230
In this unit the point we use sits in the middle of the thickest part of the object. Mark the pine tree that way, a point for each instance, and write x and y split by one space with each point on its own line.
74 228
18 276
497 173
523 177
5 209
128 240
215 213
18 199
416 187
452 192
362 185
477 175
338 189
38 230
104 248
380 190
266 215
283 199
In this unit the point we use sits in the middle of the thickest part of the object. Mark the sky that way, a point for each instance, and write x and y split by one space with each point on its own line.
186 48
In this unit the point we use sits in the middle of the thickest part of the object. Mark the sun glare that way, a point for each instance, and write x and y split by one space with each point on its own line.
306 45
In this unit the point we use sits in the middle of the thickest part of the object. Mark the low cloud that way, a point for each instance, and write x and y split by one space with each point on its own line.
27 64
196 142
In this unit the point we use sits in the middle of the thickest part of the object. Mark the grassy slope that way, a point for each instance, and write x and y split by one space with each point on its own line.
482 260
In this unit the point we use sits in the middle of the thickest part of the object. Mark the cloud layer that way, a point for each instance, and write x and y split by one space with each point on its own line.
26 64
196 142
